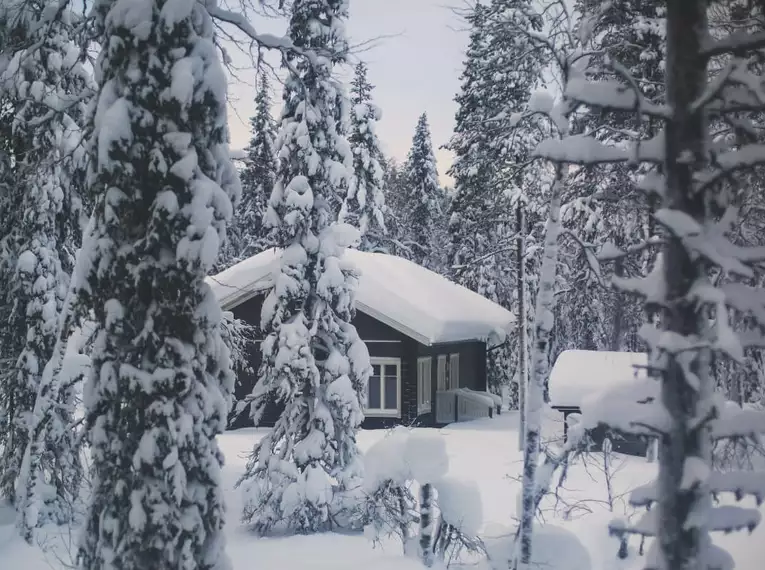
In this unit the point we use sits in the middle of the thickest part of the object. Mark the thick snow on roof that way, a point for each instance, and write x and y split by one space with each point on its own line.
578 374
411 299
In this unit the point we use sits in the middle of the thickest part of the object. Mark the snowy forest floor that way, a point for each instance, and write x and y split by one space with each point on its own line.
484 451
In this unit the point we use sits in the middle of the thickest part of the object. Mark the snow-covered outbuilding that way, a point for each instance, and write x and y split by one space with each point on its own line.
578 375
427 337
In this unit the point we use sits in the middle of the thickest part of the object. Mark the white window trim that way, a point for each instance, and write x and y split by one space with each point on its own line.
378 413
425 386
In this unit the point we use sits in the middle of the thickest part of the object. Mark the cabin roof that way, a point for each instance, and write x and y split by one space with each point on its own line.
578 374
407 297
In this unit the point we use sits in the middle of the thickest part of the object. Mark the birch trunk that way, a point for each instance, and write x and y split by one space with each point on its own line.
426 524
522 340
683 519
543 326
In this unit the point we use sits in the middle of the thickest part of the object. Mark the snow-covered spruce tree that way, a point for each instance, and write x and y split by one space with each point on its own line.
49 174
474 210
394 191
313 359
423 198
609 207
700 282
501 69
364 205
248 234
44 84
161 377
8 344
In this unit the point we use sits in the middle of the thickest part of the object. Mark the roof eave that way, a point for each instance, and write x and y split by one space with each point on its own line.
394 324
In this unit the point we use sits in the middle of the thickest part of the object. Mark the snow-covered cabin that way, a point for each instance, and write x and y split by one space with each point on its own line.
581 374
427 337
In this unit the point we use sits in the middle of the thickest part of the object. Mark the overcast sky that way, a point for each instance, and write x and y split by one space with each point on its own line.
415 67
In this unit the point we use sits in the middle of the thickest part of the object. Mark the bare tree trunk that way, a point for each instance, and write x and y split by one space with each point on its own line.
522 340
682 531
543 326
616 332
426 524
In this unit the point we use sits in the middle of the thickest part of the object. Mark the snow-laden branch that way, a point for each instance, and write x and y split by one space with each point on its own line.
711 243
728 162
458 268
735 43
717 85
611 95
610 252
267 41
588 151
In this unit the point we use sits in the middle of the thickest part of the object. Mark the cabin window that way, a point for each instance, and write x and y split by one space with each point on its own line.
384 388
441 382
454 371
424 375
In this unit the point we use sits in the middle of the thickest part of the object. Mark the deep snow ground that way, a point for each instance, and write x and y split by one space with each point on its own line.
484 451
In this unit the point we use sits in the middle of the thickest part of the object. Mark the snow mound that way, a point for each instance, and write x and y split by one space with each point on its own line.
426 457
578 374
460 504
553 547
385 460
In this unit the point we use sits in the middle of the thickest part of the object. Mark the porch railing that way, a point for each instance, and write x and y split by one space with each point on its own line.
463 405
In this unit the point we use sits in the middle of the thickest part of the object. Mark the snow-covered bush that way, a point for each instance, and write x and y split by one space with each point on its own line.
426 457
390 506
459 504
449 511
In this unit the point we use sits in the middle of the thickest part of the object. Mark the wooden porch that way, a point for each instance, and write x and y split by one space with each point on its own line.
463 404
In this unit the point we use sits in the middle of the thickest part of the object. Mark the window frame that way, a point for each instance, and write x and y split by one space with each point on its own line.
454 357
382 361
424 385
442 379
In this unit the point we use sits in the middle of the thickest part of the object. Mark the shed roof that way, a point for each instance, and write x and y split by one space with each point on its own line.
578 374
407 297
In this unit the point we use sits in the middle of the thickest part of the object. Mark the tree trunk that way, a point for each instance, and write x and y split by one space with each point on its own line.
616 332
522 340
543 325
682 530
426 524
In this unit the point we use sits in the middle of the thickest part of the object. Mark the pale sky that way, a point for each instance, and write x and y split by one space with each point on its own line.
415 66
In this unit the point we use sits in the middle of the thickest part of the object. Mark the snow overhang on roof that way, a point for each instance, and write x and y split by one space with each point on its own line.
578 374
411 299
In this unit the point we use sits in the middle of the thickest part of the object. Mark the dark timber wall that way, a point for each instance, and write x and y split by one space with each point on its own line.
382 341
